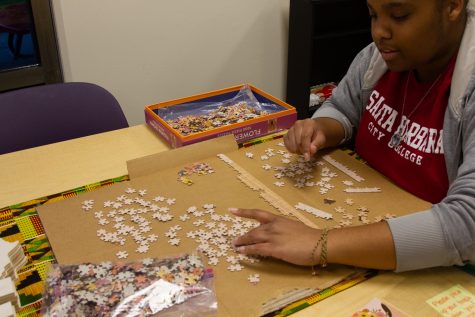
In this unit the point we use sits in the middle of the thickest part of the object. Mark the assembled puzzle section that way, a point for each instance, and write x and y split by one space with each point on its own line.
331 190
171 286
244 111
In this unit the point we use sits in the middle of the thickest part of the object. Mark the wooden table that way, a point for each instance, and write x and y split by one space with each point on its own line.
66 165
57 167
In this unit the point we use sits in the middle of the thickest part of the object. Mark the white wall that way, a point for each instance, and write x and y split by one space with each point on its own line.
148 51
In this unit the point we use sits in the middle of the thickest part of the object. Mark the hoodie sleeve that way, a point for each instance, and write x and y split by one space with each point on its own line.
445 234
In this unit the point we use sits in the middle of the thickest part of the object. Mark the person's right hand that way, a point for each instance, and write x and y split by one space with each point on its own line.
305 137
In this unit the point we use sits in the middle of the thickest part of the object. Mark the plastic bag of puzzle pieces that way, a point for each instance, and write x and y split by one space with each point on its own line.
172 286
243 106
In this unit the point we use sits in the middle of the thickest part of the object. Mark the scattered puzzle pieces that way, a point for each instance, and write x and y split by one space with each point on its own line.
254 279
130 216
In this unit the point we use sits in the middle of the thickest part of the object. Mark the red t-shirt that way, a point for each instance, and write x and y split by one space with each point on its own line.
416 163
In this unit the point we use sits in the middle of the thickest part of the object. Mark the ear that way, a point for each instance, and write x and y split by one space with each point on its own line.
455 9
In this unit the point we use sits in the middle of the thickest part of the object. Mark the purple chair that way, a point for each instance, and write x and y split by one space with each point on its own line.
40 115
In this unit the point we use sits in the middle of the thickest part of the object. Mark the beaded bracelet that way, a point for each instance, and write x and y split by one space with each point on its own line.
323 253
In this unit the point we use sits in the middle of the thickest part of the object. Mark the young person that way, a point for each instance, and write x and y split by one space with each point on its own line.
408 103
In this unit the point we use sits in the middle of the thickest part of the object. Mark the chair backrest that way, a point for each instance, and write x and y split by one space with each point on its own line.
40 115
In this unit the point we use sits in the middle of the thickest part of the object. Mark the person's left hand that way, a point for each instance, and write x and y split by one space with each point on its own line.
278 237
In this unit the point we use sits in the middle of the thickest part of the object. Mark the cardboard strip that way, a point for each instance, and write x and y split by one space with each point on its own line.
181 156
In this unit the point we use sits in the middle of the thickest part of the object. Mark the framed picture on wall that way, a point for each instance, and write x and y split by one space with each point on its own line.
28 47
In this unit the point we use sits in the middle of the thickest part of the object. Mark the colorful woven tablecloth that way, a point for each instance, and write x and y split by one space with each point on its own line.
21 223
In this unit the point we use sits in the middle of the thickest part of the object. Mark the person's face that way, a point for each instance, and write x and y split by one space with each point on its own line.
408 33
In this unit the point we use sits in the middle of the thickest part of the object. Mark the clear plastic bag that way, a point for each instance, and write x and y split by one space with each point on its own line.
172 286
194 117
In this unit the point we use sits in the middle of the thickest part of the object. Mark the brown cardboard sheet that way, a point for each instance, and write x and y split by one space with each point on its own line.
192 153
72 231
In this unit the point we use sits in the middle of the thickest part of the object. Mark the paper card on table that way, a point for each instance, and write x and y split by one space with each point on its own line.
376 308
456 301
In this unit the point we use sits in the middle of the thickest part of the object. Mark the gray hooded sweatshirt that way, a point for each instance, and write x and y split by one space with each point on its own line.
445 234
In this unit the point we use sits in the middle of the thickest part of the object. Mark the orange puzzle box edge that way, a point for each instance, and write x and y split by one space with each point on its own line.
252 128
